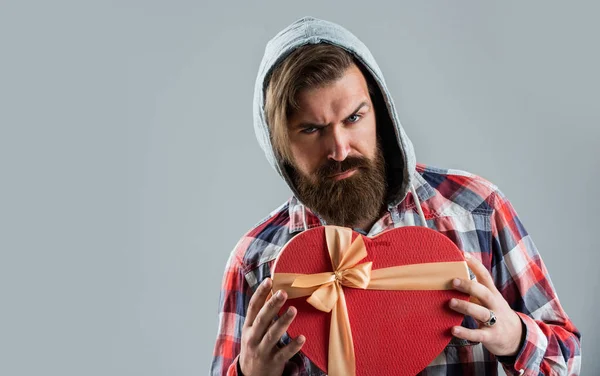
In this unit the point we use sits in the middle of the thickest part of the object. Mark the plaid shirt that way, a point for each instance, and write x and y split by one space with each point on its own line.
479 219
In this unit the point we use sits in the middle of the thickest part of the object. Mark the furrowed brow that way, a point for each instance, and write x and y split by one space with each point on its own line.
315 125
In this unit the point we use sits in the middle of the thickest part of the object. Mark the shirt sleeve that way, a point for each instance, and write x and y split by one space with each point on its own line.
552 342
233 302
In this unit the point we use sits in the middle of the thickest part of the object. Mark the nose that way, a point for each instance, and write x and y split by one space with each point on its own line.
339 144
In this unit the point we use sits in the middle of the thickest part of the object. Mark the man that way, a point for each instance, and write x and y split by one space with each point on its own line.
328 125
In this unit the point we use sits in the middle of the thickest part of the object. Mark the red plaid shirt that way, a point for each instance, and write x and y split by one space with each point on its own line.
479 219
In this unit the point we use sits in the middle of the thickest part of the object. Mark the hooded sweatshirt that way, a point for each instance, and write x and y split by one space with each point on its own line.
469 210
399 151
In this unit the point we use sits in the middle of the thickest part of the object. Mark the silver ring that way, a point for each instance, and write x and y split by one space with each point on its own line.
492 320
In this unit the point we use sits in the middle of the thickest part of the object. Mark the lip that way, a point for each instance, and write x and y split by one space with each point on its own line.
343 175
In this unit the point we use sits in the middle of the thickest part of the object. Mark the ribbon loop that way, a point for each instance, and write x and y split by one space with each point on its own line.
358 277
324 298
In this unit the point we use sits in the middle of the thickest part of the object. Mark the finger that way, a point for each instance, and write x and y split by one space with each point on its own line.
285 353
277 330
477 312
474 335
480 271
267 313
476 289
257 301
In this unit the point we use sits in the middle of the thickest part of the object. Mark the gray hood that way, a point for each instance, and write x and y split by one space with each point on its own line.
309 30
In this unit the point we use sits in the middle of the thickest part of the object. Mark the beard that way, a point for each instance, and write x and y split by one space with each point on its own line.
349 201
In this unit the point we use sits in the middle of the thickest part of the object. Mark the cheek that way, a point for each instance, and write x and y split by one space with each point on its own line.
306 158
366 140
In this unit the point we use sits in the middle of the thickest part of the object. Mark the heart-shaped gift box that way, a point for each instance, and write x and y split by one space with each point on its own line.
379 306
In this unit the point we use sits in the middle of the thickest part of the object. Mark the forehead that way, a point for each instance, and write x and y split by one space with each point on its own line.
335 100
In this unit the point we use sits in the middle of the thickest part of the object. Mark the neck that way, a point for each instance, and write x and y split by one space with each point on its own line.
366 224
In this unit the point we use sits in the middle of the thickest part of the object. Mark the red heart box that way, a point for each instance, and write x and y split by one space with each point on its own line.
394 332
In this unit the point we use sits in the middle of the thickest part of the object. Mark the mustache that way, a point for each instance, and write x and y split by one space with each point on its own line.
335 167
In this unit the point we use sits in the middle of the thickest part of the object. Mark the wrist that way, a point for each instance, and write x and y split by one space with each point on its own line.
511 357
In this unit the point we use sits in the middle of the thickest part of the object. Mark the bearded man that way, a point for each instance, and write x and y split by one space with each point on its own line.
327 124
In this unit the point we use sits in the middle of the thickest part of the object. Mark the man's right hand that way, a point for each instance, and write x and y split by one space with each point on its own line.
259 354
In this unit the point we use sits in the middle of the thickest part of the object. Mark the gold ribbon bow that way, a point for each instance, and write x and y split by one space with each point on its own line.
326 294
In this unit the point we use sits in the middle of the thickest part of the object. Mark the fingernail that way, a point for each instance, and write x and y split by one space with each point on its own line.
278 295
455 330
456 282
267 282
467 256
301 339
290 311
453 303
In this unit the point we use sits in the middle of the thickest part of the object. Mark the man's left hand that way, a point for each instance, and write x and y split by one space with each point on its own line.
504 337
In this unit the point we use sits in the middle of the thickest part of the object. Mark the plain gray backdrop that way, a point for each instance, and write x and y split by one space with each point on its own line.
129 167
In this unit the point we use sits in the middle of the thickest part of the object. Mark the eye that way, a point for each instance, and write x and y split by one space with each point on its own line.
309 130
354 118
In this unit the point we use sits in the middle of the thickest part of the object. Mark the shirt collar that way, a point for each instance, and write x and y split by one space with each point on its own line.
299 213
424 190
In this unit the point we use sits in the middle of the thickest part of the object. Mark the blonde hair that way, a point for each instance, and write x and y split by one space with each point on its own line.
307 67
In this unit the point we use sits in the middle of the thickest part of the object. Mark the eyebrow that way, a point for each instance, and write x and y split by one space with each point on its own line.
310 125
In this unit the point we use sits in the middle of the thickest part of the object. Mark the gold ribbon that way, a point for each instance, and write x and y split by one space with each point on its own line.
326 294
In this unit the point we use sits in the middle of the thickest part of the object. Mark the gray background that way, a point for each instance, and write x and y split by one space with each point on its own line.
129 166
